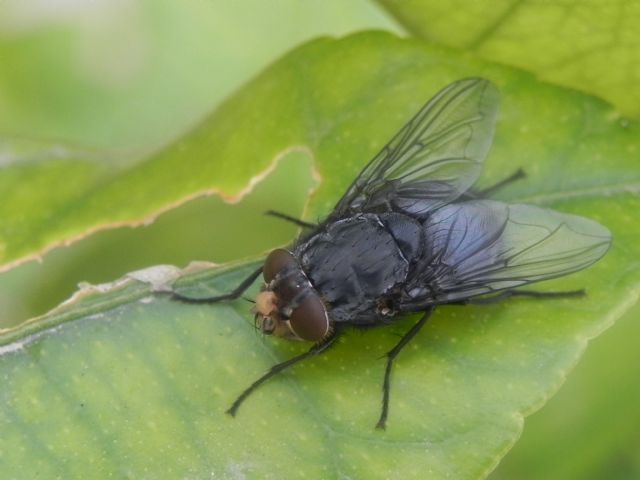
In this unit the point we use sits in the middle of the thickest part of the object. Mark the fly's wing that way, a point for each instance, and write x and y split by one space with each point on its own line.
433 159
482 246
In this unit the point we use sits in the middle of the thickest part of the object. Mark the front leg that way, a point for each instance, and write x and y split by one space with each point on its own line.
316 349
391 355
235 293
504 295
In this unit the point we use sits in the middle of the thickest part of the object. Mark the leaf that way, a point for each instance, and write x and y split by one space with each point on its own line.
119 381
177 237
590 46
593 419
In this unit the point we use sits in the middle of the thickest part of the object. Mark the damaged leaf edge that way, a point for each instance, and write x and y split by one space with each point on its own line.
138 285
153 216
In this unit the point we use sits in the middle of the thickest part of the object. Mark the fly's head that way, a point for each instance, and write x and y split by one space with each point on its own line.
288 305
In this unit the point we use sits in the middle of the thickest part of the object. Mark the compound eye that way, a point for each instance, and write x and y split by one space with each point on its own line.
309 320
278 260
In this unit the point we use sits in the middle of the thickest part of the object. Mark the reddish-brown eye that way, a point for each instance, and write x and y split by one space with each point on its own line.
278 260
309 320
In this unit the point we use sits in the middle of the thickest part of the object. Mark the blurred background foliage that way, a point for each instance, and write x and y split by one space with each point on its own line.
129 76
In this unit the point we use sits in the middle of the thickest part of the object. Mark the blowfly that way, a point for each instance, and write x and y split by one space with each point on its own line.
410 234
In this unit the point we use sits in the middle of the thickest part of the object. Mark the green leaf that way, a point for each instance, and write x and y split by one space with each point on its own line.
590 46
593 420
119 381
179 236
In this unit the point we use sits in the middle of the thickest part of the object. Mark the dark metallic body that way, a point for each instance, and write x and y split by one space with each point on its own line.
361 265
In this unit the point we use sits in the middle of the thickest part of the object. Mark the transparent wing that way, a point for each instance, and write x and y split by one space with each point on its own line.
434 158
482 246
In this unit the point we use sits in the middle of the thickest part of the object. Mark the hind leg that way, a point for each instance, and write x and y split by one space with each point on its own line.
520 293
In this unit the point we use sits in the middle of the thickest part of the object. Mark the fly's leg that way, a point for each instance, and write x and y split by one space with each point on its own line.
289 218
239 290
521 293
391 355
487 192
318 348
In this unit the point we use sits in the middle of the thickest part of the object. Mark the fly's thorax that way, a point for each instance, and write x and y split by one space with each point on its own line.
288 305
359 261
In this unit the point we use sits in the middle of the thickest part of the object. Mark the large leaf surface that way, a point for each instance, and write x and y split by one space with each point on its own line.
588 45
119 382
593 420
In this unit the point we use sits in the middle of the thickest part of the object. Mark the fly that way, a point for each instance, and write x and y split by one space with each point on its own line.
410 234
